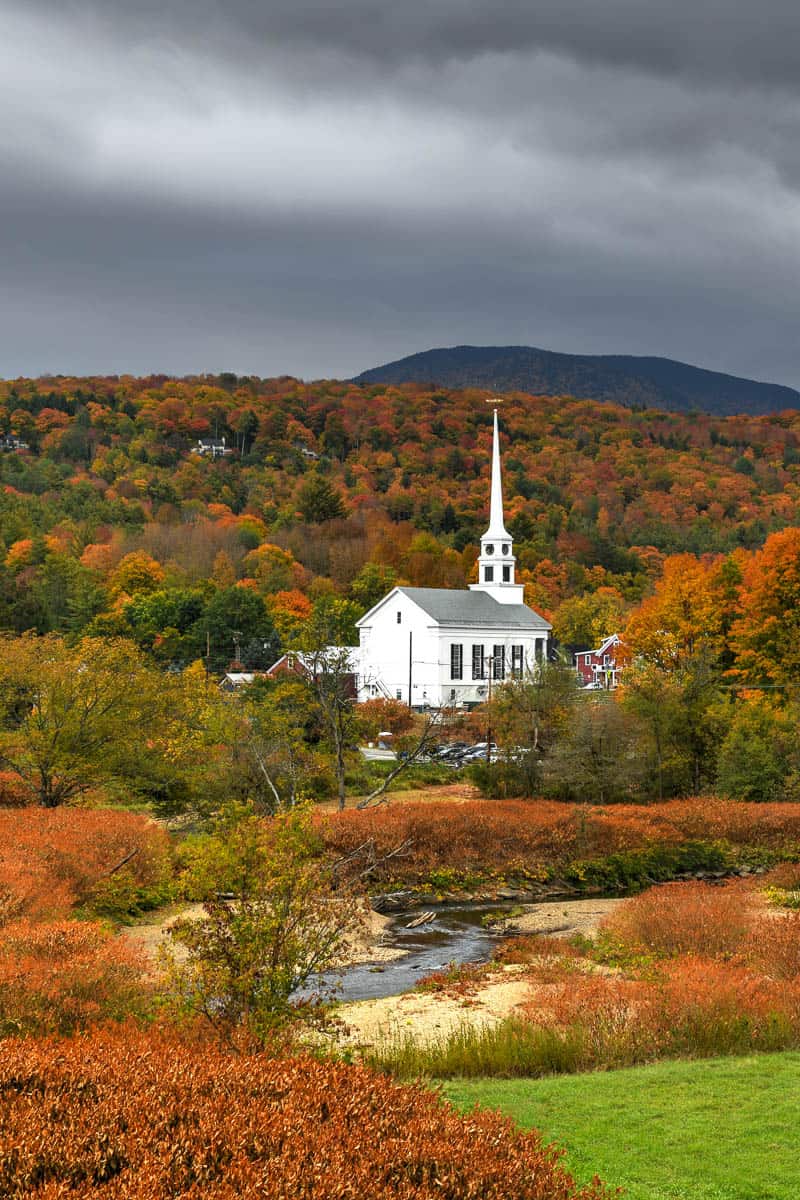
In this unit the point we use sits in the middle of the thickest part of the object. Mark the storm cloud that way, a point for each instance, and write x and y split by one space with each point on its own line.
310 188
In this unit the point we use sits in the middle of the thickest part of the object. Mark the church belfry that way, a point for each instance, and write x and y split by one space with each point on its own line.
496 565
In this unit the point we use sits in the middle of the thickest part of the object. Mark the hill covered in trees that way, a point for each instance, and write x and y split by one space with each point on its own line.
612 378
111 522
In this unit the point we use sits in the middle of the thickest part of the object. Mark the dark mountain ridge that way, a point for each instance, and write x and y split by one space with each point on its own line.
618 378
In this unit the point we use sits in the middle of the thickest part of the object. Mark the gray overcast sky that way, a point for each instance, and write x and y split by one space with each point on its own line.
309 187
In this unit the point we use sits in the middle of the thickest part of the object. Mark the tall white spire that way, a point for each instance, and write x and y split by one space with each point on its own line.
496 564
497 528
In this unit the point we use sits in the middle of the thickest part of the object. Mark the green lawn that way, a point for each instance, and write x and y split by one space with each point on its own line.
715 1129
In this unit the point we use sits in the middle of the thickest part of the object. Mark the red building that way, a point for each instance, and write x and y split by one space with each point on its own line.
600 668
341 660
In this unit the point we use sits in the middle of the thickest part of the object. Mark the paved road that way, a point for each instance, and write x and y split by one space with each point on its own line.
372 754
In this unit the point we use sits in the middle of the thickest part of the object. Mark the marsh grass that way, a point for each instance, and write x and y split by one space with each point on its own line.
513 1048
518 1048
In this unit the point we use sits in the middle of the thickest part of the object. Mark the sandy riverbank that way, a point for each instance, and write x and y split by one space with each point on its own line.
369 946
565 917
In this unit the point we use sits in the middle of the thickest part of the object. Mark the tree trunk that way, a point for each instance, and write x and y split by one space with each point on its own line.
340 781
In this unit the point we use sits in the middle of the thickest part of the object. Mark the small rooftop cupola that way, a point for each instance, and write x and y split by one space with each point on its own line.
496 562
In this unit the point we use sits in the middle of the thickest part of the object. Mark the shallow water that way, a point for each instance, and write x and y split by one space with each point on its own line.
455 935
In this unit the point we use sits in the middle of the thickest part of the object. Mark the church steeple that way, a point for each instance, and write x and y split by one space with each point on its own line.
497 563
497 528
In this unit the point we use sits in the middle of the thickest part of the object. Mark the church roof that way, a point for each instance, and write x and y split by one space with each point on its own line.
449 606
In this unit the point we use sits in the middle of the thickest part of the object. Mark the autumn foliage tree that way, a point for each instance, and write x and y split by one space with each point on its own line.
77 717
685 615
766 632
137 572
582 621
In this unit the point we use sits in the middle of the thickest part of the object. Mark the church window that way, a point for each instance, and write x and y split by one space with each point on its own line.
490 549
488 574
398 694
456 660
517 653
478 663
399 618
505 549
498 662
506 574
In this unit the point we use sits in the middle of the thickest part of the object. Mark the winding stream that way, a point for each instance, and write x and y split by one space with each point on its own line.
455 935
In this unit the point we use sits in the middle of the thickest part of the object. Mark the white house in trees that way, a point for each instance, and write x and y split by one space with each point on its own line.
434 647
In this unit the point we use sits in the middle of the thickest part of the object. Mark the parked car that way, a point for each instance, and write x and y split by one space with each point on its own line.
479 751
452 750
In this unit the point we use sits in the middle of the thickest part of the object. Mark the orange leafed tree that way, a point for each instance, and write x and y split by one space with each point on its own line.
19 554
687 612
766 633
289 609
136 572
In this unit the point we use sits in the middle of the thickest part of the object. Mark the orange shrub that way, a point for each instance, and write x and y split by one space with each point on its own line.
785 876
738 822
702 1005
685 918
518 835
54 859
61 976
524 948
692 1006
13 793
774 945
145 1117
475 836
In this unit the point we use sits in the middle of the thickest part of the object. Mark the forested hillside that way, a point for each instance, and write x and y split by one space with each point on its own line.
111 523
615 378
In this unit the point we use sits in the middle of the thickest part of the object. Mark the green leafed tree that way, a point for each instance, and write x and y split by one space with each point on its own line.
325 644
243 963
318 500
681 712
372 583
77 717
237 619
584 621
526 717
599 761
759 759
275 756
167 623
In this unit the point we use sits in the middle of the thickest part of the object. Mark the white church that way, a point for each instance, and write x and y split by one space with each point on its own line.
436 647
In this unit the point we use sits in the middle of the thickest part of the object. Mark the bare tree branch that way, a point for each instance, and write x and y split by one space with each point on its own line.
367 851
426 738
